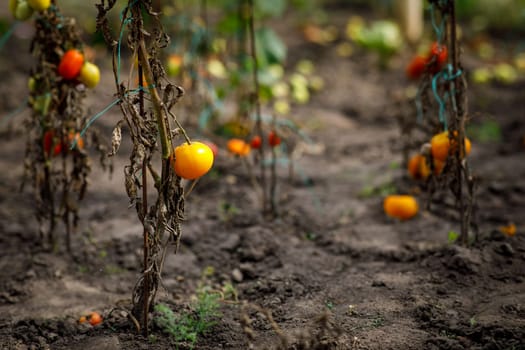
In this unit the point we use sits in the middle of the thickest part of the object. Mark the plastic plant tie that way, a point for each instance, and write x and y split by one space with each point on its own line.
439 29
447 75
102 112
14 113
5 37
124 23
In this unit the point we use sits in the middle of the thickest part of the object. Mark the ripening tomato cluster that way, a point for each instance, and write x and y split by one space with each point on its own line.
93 318
441 146
23 9
73 66
433 61
241 148
273 140
54 146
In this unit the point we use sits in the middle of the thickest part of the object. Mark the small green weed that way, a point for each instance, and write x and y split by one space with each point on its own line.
452 236
380 190
227 210
377 321
488 131
187 326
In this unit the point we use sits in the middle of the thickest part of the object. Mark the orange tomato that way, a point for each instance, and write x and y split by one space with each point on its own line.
416 67
95 318
414 166
419 167
71 64
238 147
82 319
508 230
440 146
75 136
402 207
192 160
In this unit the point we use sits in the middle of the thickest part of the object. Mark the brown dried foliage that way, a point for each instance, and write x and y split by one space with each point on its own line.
148 118
59 181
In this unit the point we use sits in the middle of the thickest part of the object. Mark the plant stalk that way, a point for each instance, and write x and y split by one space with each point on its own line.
257 103
459 115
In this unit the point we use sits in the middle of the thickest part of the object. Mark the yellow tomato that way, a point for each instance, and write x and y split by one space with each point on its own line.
12 6
89 74
39 5
402 207
192 160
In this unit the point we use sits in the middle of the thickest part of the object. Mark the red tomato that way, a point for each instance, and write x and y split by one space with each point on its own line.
71 64
256 142
51 143
274 139
440 52
416 67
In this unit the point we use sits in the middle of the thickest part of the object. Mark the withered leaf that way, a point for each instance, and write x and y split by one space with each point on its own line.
116 139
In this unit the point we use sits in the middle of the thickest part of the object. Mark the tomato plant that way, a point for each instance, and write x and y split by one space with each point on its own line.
192 160
402 207
71 64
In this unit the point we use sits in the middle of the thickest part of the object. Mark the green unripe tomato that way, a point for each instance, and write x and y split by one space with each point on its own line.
31 84
12 6
23 11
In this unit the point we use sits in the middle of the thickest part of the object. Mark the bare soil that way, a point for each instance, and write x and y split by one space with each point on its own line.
332 269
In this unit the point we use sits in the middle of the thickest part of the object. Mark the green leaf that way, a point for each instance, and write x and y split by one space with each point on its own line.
270 8
489 131
270 48
230 24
